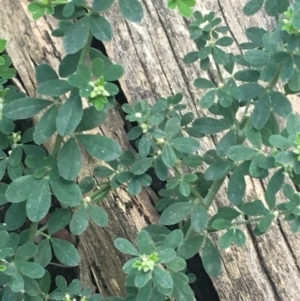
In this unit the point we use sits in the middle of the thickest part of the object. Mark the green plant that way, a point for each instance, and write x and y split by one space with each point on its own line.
246 102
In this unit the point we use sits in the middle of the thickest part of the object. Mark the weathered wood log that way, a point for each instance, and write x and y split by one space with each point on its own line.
268 267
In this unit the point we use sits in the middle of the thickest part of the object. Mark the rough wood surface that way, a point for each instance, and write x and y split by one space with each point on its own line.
267 268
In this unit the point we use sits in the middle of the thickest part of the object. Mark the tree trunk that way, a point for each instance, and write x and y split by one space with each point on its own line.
268 267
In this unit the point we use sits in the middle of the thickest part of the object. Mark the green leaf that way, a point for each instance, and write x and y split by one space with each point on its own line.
69 160
103 171
98 215
261 112
266 222
161 169
3 188
142 278
17 209
20 189
81 79
15 156
102 5
225 143
286 71
191 57
280 104
100 28
68 64
236 187
132 10
239 238
69 115
203 83
218 170
248 91
254 137
91 119
39 201
255 208
211 259
257 58
113 73
190 246
144 146
184 188
2 45
295 225
208 125
101 147
44 73
66 192
76 36
125 246
255 35
293 124
221 224
145 243
168 155
65 252
46 126
162 277
141 165
247 75
30 269
177 264
271 8
220 56
58 220
225 100
24 108
252 7
184 9
193 161
172 127
173 239
54 87
208 99
144 293
166 255
175 213
224 41
226 239
79 221
26 251
44 253
279 141
199 218
186 144
241 153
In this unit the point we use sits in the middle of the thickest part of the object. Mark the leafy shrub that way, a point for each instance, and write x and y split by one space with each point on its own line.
244 105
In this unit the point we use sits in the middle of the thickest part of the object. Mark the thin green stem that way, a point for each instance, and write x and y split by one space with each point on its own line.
38 232
58 143
213 192
85 50
219 72
189 232
32 231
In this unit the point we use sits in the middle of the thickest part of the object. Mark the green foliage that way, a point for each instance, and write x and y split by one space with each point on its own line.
43 188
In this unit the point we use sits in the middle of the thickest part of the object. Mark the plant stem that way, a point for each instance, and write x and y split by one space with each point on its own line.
58 142
197 194
219 72
85 50
213 192
32 231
